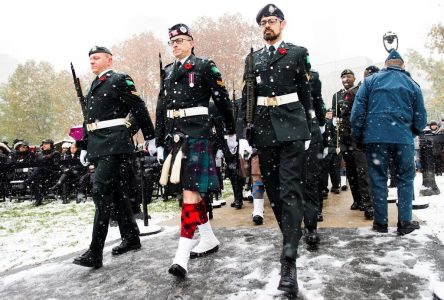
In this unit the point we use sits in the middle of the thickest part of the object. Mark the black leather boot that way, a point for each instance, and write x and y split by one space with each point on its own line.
405 227
89 259
288 282
125 247
312 238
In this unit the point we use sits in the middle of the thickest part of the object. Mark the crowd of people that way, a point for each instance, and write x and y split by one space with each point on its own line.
289 151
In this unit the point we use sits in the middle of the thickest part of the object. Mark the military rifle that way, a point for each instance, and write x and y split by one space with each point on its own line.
250 91
78 87
162 77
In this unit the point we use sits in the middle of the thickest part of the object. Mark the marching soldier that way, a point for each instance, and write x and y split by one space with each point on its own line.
109 147
313 197
183 128
281 127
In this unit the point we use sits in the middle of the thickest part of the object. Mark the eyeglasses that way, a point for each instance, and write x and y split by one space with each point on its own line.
271 22
178 41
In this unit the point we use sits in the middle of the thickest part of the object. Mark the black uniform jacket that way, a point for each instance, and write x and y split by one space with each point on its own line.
192 85
113 96
285 73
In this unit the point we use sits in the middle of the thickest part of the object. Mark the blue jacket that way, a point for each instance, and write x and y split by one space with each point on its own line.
389 108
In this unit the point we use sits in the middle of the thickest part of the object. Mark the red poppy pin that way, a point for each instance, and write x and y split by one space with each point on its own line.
282 51
187 66
103 78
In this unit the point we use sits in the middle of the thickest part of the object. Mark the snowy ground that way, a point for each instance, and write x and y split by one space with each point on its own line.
433 216
30 235
379 266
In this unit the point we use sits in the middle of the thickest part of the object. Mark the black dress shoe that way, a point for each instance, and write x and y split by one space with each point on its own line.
258 220
344 188
238 204
177 270
320 218
335 190
125 247
369 213
354 206
382 228
405 227
89 259
288 282
194 255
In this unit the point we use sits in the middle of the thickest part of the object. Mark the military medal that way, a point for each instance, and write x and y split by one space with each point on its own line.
191 79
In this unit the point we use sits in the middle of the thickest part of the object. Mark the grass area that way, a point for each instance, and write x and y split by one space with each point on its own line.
20 216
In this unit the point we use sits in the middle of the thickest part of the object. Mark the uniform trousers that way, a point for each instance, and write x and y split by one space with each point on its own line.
110 188
282 168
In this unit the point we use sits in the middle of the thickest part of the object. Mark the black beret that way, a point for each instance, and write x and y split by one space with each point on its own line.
98 49
329 110
179 29
433 123
347 71
268 11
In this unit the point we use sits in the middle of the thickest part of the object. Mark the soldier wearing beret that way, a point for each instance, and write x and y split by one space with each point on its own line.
110 98
183 129
281 127
355 160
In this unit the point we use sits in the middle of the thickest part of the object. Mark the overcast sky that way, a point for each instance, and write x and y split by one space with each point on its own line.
63 31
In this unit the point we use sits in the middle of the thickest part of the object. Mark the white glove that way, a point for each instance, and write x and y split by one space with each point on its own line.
232 143
219 154
322 128
83 159
307 145
245 149
160 155
335 121
325 152
152 147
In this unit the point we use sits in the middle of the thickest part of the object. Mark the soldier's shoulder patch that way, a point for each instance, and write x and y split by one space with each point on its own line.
129 82
221 82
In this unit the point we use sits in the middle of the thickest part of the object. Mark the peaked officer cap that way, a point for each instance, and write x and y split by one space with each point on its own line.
268 11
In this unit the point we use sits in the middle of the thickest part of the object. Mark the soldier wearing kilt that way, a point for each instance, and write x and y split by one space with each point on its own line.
183 129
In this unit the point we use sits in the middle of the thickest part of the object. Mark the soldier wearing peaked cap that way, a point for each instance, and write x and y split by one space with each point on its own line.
281 127
110 98
183 128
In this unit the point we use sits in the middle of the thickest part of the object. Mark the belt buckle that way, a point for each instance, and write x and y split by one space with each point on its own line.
272 101
92 126
176 113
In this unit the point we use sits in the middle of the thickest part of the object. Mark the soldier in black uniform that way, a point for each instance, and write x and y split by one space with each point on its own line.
332 160
109 147
313 195
281 127
183 127
355 159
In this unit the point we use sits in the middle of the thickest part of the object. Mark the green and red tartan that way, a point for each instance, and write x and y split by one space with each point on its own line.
198 167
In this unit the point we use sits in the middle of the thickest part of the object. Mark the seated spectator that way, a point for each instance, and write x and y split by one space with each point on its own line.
48 160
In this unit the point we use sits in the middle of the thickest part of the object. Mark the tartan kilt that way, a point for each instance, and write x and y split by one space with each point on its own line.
198 171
